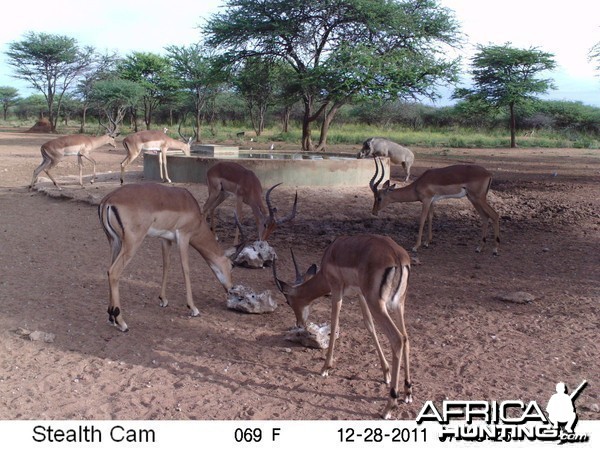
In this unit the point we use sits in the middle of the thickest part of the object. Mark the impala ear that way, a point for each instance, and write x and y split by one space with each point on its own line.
386 185
312 270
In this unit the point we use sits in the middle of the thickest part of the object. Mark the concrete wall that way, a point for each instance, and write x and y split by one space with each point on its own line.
292 172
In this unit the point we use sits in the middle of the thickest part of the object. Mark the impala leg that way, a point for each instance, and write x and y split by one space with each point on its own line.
80 164
184 246
429 226
486 212
405 353
47 164
215 198
120 261
495 218
128 160
93 161
44 166
163 163
397 342
166 257
238 210
160 164
336 306
424 215
50 175
368 320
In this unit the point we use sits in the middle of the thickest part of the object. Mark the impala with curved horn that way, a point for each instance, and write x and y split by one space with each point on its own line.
230 178
154 140
78 145
379 268
132 212
456 181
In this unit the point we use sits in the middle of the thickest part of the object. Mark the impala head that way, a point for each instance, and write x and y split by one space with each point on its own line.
299 305
112 131
381 198
187 140
111 140
269 223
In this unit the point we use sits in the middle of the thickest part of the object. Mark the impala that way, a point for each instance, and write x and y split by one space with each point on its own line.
132 212
456 181
229 178
153 140
78 145
379 268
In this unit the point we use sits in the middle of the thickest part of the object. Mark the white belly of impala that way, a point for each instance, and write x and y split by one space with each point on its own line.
164 234
461 194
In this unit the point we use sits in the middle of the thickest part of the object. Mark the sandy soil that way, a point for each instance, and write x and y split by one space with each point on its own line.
465 343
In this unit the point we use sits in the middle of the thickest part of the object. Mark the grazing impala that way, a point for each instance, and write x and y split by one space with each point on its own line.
153 140
379 268
132 212
74 145
225 178
435 184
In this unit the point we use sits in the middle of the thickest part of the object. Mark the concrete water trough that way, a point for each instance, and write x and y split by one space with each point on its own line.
292 168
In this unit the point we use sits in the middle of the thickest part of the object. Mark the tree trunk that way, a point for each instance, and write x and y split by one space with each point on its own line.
325 126
83 117
307 144
513 126
198 126
286 119
133 120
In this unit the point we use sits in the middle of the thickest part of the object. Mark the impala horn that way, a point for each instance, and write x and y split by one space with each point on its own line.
372 184
273 210
243 239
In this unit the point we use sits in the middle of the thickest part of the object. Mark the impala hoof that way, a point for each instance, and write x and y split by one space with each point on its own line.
122 327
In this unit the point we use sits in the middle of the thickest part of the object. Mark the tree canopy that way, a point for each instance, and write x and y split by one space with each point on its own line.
154 73
196 71
504 76
340 50
9 96
50 63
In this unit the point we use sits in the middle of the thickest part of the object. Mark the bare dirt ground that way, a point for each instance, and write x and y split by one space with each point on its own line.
465 343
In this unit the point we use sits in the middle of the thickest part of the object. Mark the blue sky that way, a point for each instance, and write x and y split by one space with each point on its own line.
566 30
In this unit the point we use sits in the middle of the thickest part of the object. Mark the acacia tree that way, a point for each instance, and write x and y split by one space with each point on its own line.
114 97
153 72
504 76
50 63
195 68
9 96
257 82
103 67
343 49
